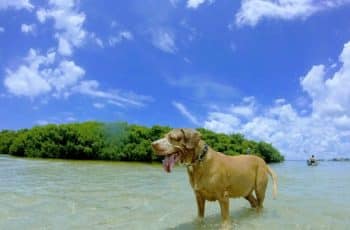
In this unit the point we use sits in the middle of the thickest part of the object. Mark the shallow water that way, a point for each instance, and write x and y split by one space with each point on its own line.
58 194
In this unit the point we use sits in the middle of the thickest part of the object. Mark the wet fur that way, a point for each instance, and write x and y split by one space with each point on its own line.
218 177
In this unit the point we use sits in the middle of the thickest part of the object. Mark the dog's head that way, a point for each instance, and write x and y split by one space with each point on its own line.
177 145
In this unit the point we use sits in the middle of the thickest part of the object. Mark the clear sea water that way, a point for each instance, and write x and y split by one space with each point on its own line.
62 194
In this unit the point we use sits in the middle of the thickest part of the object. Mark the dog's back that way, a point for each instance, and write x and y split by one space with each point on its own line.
231 176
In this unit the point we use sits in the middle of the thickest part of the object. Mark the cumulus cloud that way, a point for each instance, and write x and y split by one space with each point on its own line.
222 122
28 28
229 119
50 75
16 4
66 75
253 11
2 29
40 74
164 40
324 132
54 73
294 135
28 80
184 111
68 22
245 110
330 96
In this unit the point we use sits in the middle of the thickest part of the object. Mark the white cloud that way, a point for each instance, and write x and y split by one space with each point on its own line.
68 22
222 122
66 75
245 111
42 122
204 88
342 122
295 136
323 132
54 74
92 88
228 120
122 36
116 103
95 39
2 29
58 119
99 42
41 74
28 28
184 111
253 11
16 4
280 101
28 80
99 105
164 40
330 96
194 4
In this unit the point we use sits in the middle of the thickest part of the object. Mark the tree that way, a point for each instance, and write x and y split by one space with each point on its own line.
115 141
6 139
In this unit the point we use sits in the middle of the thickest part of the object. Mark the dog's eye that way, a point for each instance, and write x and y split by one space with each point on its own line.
175 137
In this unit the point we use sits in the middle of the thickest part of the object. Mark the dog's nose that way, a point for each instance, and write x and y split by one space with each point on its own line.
154 145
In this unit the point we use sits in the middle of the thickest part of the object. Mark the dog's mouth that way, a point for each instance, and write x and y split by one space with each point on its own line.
170 160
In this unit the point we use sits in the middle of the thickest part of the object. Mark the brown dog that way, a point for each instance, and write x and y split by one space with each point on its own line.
213 175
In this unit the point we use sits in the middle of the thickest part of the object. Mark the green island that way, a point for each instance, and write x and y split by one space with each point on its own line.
117 141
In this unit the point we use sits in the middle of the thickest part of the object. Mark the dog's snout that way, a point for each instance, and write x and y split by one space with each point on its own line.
154 144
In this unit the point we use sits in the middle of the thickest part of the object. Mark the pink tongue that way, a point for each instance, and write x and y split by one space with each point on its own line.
169 162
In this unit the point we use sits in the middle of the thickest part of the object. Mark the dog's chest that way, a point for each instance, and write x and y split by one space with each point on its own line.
205 185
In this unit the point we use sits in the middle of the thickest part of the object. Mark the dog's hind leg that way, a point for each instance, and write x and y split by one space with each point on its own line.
252 200
261 184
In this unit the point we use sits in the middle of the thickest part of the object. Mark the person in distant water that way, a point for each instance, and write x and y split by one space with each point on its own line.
312 159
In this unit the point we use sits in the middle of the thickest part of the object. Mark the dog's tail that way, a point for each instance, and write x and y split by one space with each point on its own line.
274 180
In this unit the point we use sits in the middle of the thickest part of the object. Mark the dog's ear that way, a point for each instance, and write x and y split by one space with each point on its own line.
191 137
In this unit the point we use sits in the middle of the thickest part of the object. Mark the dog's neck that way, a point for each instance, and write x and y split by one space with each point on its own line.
200 154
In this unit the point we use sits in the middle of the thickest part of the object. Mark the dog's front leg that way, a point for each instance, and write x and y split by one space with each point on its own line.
200 205
225 206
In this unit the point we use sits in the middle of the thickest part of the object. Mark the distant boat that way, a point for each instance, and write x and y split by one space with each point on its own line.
312 163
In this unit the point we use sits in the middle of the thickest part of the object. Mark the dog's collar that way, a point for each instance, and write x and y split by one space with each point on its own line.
200 157
203 153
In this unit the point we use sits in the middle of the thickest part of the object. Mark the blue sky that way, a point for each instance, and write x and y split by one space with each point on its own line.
274 70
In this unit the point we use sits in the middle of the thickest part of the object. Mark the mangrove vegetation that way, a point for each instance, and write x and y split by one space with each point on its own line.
115 141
